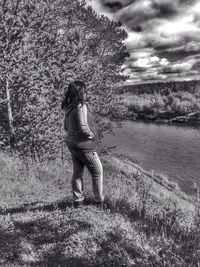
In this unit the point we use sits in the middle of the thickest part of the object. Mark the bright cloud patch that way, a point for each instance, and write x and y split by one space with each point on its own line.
177 68
146 62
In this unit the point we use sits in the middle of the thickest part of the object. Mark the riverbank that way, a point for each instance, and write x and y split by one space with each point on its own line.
168 107
147 221
170 149
164 117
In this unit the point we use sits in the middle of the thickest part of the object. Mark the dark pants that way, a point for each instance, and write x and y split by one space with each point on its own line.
91 160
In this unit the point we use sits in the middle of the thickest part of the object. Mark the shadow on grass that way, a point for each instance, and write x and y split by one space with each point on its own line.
39 242
9 246
50 240
38 206
57 257
116 250
41 206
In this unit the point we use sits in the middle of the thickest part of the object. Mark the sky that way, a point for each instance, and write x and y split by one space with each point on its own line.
163 37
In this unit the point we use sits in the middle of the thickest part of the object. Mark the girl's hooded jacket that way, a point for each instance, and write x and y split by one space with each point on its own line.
81 128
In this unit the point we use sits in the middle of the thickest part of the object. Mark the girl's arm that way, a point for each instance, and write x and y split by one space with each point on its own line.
82 121
65 124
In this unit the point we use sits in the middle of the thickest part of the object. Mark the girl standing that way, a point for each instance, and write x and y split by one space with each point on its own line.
82 141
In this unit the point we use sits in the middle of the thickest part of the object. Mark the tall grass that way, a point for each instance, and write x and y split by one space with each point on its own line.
144 223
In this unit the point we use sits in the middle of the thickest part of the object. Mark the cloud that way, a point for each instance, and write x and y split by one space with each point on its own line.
177 68
114 6
163 36
146 59
192 47
144 65
135 40
147 66
165 8
110 4
133 13
145 62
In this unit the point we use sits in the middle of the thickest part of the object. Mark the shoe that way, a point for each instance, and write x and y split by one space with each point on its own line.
78 204
100 205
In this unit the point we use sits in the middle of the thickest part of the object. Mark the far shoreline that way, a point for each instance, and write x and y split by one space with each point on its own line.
178 120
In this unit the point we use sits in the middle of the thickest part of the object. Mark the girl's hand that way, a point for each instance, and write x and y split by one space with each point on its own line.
91 136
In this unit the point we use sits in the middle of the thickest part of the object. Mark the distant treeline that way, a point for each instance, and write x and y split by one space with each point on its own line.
165 88
171 101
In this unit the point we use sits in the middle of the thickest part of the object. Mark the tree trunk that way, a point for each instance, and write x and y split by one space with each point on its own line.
10 116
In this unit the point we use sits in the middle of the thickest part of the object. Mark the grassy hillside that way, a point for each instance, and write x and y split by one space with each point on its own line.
147 220
174 101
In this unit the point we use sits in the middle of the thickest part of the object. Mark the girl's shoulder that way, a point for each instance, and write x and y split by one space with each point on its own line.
84 106
81 106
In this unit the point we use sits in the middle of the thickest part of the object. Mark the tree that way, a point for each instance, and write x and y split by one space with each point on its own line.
44 45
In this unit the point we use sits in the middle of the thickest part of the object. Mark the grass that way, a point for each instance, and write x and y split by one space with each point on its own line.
146 222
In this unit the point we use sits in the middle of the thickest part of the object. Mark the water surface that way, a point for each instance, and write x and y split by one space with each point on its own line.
173 150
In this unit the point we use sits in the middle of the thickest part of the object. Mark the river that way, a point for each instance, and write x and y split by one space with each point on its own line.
173 150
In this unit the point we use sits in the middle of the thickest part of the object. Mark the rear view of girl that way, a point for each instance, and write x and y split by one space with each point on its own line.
82 141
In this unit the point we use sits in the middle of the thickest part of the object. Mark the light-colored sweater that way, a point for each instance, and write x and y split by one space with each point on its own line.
82 120
81 128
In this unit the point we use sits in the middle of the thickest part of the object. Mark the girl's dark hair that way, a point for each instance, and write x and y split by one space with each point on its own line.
75 94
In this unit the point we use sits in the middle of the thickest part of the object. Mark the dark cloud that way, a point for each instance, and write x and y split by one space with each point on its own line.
133 13
162 42
176 55
184 41
114 6
171 57
187 2
165 8
197 66
135 16
137 28
137 69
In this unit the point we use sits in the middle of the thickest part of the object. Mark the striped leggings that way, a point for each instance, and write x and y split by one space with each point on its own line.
91 160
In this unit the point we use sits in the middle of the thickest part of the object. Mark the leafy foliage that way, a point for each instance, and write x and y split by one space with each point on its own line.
43 46
165 88
160 101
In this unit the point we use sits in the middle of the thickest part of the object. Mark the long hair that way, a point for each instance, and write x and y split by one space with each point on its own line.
75 94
